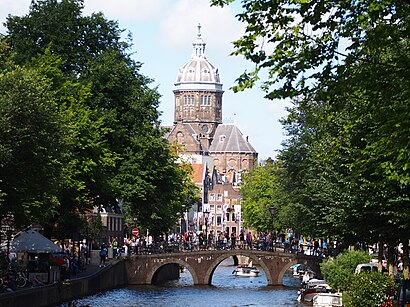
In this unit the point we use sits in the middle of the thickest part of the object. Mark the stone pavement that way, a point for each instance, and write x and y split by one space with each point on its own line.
92 269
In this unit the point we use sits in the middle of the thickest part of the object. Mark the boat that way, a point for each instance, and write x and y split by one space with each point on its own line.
312 288
247 270
298 270
327 300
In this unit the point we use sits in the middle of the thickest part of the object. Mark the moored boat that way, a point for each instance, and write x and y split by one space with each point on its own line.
248 270
327 300
312 288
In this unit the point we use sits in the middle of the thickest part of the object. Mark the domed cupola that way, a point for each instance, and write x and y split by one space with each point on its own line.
198 73
198 95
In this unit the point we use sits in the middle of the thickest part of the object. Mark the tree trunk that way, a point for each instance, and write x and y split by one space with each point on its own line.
380 256
390 259
405 259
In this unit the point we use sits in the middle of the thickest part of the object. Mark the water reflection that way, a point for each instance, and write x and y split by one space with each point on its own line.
226 290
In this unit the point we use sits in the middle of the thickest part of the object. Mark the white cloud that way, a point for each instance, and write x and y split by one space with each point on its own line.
179 27
128 10
12 7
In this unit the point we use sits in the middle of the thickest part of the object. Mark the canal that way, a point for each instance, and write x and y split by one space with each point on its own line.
226 290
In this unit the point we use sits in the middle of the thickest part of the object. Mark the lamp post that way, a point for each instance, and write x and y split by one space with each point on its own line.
272 211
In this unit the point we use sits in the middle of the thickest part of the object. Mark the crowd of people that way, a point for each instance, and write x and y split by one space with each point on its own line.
199 240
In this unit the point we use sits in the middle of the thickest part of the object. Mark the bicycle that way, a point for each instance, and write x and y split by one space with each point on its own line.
19 277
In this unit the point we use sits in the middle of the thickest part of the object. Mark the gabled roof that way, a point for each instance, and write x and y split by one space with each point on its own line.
228 138
199 173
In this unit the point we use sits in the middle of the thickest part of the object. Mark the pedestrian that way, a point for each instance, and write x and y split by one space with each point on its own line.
249 240
305 279
103 255
233 240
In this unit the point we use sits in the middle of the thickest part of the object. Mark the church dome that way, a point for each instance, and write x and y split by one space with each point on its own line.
198 73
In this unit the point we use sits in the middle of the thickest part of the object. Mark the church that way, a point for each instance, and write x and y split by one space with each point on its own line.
219 153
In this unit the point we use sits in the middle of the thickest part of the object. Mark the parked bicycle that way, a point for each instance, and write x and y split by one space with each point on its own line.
20 277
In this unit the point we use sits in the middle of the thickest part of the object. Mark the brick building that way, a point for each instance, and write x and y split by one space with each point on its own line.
201 138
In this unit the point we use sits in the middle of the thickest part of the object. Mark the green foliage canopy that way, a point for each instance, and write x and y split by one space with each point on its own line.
339 272
345 64
112 149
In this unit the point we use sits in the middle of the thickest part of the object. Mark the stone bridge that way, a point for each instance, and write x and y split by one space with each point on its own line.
145 269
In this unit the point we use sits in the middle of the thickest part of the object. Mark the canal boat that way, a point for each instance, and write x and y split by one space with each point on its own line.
312 288
247 270
327 300
298 270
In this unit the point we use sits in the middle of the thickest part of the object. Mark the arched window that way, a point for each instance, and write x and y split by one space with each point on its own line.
180 138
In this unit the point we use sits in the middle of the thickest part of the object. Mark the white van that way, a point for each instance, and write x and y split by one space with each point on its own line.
366 267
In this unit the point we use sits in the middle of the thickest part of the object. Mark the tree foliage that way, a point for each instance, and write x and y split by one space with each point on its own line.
260 191
339 272
370 289
110 151
31 146
345 65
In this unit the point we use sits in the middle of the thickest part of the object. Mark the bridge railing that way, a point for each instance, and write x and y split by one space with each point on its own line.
179 247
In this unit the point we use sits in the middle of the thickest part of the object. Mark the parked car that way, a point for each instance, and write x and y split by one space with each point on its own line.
366 267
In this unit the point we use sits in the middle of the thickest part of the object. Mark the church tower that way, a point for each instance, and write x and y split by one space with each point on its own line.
218 153
198 97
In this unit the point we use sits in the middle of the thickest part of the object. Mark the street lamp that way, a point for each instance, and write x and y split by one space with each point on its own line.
272 211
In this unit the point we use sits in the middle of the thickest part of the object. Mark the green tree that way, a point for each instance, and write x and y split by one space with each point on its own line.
32 146
339 272
345 65
116 151
260 190
370 289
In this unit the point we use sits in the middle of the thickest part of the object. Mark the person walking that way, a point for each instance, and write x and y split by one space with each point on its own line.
103 255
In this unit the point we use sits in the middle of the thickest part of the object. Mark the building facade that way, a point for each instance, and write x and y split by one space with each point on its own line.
198 131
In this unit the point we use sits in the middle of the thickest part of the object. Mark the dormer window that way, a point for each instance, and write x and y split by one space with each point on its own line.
222 138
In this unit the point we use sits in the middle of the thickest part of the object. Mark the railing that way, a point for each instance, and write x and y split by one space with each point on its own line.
259 245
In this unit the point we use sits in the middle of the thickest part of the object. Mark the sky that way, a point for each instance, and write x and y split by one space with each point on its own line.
163 32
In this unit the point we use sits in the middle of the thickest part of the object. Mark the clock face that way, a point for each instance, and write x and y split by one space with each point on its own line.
205 128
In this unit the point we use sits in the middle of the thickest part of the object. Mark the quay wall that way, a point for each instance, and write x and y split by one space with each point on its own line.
107 278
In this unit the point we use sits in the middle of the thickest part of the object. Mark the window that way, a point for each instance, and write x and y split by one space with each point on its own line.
227 217
219 197
180 137
205 100
218 207
222 138
212 197
189 100
218 220
212 208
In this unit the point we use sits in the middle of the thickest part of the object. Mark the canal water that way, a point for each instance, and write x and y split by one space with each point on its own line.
226 290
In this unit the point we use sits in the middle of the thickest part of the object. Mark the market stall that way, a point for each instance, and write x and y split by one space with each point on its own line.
34 252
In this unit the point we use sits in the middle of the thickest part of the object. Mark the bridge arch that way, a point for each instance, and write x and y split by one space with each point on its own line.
151 274
235 253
